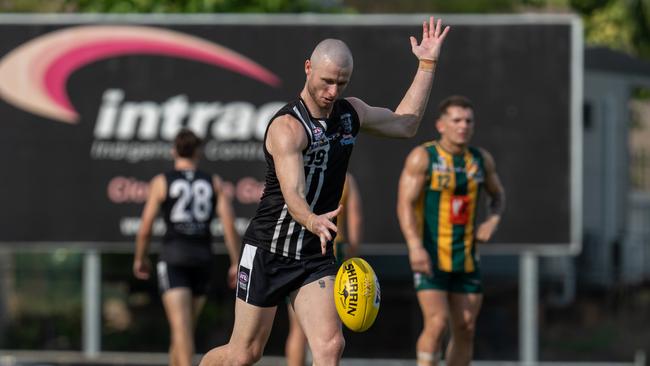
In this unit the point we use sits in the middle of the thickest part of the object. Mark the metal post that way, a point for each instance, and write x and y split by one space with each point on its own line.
639 358
91 304
528 296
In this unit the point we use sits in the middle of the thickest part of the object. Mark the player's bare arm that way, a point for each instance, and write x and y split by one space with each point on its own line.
231 237
157 193
411 184
354 216
497 199
405 120
286 139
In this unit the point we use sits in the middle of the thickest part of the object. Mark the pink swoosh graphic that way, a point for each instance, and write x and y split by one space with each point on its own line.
34 75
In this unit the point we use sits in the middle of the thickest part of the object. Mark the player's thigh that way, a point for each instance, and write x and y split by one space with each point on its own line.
434 304
178 306
315 310
432 292
252 325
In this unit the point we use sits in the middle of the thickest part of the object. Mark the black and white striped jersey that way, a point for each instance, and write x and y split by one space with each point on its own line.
330 144
188 211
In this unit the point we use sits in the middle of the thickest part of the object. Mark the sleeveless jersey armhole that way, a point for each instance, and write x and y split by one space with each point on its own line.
299 120
478 155
357 122
430 148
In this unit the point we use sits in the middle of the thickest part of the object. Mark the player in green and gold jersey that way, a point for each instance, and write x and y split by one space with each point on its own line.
437 203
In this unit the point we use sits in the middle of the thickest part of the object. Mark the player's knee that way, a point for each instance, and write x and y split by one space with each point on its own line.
330 348
465 330
245 359
250 357
335 345
209 359
227 355
338 345
436 324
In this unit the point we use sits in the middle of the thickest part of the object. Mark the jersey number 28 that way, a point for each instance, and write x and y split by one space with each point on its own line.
194 200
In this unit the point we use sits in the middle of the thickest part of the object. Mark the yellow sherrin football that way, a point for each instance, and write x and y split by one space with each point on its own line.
357 294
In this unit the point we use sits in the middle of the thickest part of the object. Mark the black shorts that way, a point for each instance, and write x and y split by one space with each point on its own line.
266 279
196 278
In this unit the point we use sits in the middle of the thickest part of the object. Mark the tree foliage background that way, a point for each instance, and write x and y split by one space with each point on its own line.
619 24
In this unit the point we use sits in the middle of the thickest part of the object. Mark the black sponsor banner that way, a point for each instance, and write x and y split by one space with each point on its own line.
88 113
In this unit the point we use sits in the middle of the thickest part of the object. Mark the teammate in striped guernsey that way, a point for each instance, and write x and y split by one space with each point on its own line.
437 203
189 199
288 245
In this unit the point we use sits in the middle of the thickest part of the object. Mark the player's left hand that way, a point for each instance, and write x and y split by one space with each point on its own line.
433 36
232 275
142 268
486 230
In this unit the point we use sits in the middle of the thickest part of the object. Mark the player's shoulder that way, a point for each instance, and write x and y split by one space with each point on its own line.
159 178
418 158
286 132
424 149
429 145
158 186
287 108
485 156
216 180
353 100
285 113
479 151
358 105
285 124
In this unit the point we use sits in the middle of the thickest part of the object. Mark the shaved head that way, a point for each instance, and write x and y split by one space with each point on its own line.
328 73
334 51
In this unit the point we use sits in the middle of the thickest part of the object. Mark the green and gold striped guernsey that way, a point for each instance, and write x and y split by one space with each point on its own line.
447 209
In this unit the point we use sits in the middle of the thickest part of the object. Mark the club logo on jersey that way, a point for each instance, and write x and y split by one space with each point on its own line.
346 124
318 133
33 76
459 210
440 165
474 172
